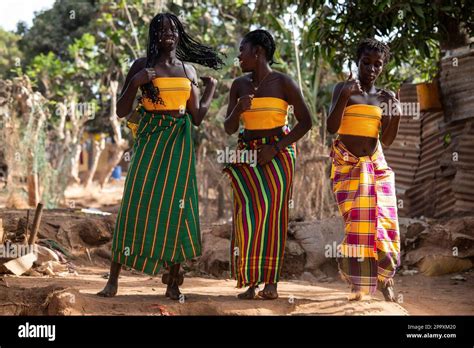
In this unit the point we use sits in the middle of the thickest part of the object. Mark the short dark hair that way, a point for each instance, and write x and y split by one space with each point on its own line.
264 39
373 44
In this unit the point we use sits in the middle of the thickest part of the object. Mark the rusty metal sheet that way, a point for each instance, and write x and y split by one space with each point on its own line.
456 82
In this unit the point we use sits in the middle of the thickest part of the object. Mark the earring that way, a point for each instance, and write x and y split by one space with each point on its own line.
256 56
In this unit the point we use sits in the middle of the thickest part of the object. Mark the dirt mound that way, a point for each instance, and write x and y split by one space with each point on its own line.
49 300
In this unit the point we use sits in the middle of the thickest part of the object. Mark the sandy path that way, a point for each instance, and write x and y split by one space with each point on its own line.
141 295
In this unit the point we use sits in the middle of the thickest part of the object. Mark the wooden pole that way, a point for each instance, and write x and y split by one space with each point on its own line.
1 231
36 223
27 223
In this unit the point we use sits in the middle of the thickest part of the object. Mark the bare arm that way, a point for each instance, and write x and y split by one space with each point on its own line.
340 96
391 122
235 108
301 112
196 106
294 97
129 89
338 105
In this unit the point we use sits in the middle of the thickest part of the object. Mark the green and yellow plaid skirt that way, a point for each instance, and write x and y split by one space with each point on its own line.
158 219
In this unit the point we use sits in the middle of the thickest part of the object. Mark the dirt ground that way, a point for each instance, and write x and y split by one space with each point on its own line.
143 295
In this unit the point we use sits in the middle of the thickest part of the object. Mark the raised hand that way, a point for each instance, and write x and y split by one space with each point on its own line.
385 96
144 76
244 103
208 81
351 86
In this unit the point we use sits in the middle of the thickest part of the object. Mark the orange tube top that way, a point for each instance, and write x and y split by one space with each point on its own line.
362 120
175 92
265 113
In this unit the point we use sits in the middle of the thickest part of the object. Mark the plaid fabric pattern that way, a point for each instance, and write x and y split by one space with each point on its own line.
364 189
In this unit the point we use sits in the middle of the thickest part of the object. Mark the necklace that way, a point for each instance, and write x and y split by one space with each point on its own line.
256 88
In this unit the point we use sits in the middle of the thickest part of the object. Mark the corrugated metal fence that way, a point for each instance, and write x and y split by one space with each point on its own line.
433 155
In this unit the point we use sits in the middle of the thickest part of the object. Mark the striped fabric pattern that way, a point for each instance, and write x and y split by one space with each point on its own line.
364 188
158 219
261 197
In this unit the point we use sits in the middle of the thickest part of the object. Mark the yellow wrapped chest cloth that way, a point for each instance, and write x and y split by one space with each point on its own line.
265 113
174 91
361 120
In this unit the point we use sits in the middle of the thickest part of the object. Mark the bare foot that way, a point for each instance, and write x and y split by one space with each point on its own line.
247 295
269 292
172 291
359 296
110 290
356 296
387 290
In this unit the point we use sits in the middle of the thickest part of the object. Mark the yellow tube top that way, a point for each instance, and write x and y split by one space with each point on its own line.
265 113
361 120
175 92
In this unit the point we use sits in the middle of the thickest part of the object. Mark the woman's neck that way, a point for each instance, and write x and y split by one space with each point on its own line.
167 57
261 72
367 87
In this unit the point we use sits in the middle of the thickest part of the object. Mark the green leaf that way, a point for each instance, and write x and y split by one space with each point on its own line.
419 11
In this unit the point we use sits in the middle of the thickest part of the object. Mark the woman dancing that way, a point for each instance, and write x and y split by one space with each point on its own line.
262 190
158 220
363 184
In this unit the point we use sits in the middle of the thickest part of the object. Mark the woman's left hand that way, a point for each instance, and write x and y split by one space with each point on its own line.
265 153
387 97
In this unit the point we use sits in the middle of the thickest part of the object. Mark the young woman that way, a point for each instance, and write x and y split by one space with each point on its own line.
262 192
363 184
158 220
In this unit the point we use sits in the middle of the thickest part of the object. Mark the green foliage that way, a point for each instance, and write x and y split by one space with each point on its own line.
55 29
10 55
80 56
415 30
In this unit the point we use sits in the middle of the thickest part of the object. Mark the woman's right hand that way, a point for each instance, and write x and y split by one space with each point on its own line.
244 103
351 87
144 76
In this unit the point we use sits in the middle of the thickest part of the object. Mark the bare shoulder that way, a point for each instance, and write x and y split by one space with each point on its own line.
338 86
139 63
190 68
284 78
241 81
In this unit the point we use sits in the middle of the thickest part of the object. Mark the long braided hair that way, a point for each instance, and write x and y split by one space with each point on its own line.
264 39
187 49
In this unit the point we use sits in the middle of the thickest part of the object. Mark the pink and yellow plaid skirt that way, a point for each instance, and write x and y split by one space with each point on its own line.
364 189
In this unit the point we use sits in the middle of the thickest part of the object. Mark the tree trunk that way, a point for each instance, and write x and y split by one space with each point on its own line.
98 146
75 159
120 144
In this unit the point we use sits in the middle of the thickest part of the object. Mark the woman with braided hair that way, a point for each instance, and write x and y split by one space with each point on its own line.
262 190
158 220
363 183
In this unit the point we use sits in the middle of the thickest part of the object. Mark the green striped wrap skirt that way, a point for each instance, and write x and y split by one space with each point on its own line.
158 219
